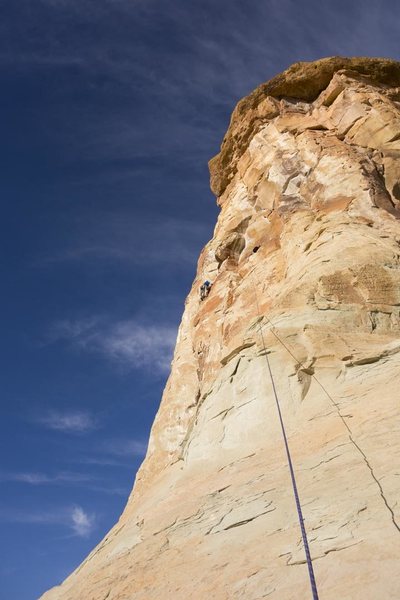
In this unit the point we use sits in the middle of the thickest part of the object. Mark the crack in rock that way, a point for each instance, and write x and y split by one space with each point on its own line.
326 552
245 521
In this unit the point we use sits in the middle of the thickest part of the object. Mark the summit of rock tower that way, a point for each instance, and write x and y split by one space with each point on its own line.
301 81
304 308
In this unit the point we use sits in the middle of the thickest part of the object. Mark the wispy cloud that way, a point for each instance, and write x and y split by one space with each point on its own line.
114 452
66 479
128 343
103 461
150 347
174 99
69 422
131 239
125 447
35 478
80 522
176 94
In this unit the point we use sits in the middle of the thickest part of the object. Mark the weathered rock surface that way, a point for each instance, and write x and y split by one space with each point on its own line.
306 249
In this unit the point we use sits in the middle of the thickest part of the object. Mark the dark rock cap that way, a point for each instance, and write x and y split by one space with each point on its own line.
302 81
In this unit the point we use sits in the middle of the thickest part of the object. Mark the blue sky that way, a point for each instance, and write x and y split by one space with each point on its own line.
110 111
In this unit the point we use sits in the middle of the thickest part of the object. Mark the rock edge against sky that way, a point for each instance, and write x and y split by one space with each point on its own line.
306 248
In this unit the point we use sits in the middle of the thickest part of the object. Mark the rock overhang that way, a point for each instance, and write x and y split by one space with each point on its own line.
302 81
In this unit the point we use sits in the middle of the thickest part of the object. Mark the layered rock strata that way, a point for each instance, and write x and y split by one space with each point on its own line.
307 251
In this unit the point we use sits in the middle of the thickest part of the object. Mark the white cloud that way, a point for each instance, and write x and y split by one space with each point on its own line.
35 478
32 478
150 347
125 448
69 422
75 518
71 329
82 523
128 343
103 462
88 482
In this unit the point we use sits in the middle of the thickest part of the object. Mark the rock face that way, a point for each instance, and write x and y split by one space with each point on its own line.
306 251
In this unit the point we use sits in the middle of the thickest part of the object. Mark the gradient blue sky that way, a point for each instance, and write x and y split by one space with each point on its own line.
110 110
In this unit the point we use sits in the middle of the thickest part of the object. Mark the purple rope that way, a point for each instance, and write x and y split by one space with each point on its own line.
296 494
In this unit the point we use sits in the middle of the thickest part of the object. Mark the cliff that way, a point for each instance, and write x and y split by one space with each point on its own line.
305 256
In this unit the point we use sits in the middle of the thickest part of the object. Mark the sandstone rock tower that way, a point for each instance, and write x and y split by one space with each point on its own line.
307 251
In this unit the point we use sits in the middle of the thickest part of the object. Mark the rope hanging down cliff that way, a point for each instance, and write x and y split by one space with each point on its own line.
289 459
342 418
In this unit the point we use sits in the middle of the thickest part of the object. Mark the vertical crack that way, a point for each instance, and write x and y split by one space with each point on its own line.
377 483
335 404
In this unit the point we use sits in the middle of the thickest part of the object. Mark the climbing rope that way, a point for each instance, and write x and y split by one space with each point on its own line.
337 408
289 459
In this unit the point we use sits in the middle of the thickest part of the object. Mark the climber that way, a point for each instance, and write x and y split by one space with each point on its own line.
205 290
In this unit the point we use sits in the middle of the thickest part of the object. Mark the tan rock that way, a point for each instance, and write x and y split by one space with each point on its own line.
306 251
